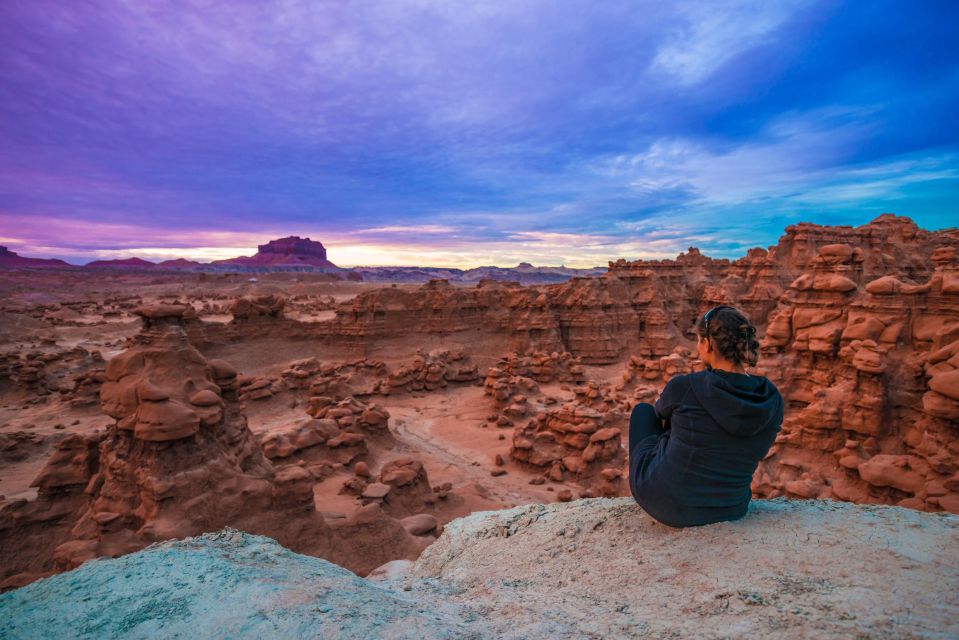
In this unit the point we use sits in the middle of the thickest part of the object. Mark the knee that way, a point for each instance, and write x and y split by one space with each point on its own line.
642 411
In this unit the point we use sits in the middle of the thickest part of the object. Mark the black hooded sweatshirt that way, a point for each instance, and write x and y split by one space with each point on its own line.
719 425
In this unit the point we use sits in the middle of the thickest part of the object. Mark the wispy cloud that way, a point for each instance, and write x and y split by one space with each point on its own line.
413 229
777 161
711 33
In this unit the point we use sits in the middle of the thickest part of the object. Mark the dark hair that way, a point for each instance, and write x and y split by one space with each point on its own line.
731 332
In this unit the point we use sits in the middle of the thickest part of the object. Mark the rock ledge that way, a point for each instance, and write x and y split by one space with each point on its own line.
594 568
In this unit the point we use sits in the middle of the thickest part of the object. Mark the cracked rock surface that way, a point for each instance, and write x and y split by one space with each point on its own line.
591 568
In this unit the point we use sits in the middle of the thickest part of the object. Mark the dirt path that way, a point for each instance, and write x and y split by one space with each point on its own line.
444 430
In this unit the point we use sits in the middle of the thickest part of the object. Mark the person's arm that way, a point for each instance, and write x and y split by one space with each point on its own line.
670 398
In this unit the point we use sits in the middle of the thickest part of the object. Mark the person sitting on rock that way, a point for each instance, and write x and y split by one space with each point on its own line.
692 456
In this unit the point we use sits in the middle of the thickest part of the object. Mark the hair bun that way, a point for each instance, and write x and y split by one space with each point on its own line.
747 330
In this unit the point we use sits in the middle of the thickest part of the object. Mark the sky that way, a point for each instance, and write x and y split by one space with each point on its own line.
453 133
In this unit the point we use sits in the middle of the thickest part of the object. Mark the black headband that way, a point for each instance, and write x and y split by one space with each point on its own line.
748 331
709 313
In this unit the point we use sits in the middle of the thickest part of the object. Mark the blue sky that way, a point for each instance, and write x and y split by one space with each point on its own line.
461 134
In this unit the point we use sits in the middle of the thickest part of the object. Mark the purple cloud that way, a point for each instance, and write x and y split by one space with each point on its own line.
124 124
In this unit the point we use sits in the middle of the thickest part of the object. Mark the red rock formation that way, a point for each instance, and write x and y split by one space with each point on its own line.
44 371
575 440
643 307
867 372
432 371
543 367
125 263
10 260
180 460
366 377
85 390
359 378
290 253
402 489
268 306
20 445
643 375
179 263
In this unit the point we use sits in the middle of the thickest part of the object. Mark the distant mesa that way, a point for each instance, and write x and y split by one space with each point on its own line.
180 263
10 260
125 263
292 253
297 254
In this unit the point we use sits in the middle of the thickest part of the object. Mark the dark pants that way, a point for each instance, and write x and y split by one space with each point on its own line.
643 423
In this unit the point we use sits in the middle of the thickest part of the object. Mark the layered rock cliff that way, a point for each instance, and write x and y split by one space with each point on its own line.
643 307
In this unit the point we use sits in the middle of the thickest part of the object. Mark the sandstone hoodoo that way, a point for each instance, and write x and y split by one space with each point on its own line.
179 460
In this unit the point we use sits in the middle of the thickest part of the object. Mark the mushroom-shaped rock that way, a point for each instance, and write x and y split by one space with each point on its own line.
268 305
836 253
163 421
222 369
205 398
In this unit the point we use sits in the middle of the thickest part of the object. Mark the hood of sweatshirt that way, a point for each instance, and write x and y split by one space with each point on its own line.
743 406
